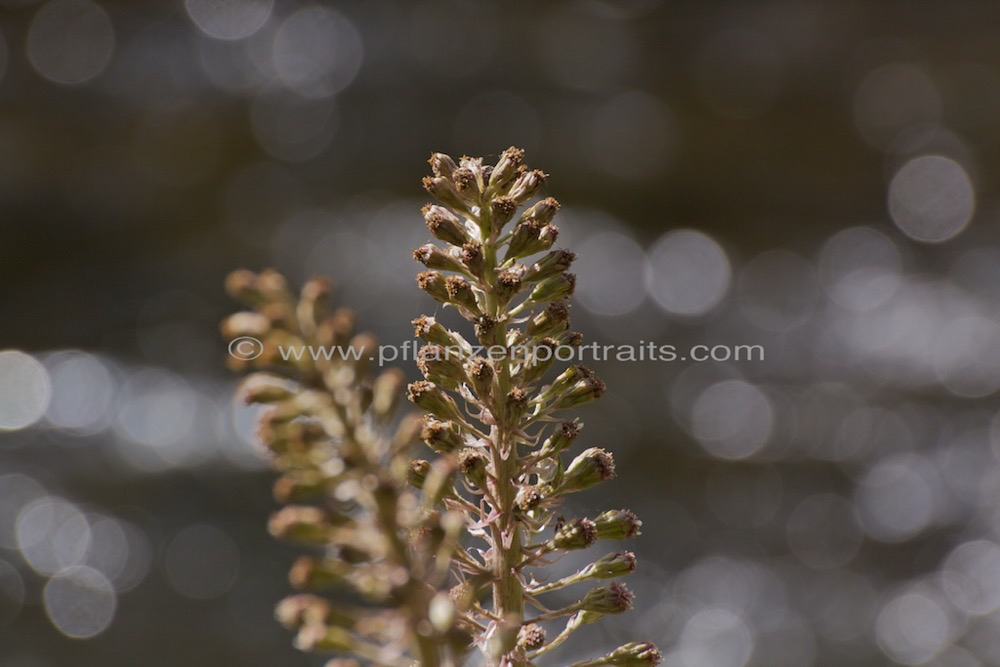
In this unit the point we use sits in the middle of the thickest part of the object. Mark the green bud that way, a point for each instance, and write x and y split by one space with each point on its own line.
440 482
434 258
300 486
529 237
461 294
302 524
442 165
562 438
508 285
318 573
386 392
555 288
444 190
586 390
427 396
441 365
575 534
552 321
613 599
473 463
416 475
541 361
480 376
506 167
443 437
502 209
265 388
445 225
634 654
555 262
613 565
530 637
430 330
302 609
434 284
472 258
527 185
318 637
528 498
617 525
591 467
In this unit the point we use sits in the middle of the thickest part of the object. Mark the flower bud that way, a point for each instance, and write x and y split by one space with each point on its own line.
590 467
317 637
441 365
613 599
487 330
472 257
434 258
430 330
302 609
506 167
575 534
530 237
386 392
442 165
427 396
555 262
265 388
300 486
445 225
443 437
530 637
552 321
526 185
444 190
514 406
245 324
502 209
586 390
417 472
242 285
528 498
464 179
562 438
480 375
617 525
434 284
460 293
302 524
613 565
542 358
472 464
318 573
634 654
508 285
542 212
554 288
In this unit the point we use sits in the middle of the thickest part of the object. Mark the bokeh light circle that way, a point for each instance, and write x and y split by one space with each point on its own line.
25 390
229 19
80 602
70 41
931 199
687 273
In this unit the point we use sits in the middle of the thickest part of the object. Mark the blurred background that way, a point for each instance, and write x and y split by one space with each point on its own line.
818 178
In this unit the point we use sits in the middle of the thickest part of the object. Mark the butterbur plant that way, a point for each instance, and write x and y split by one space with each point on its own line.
451 546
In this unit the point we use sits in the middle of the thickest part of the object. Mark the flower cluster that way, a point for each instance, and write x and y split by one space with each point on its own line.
495 423
452 549
382 546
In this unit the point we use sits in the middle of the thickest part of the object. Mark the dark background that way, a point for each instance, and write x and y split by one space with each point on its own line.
832 504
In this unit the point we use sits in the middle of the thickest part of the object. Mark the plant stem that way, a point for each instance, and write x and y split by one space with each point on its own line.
508 593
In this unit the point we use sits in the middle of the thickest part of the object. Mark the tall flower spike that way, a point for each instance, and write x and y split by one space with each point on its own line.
513 454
